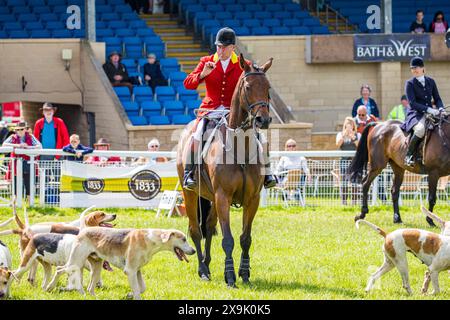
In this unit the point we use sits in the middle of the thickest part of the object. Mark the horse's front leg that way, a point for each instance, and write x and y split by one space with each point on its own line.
246 238
222 204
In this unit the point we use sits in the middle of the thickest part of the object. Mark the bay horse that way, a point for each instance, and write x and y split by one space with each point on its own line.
385 143
224 184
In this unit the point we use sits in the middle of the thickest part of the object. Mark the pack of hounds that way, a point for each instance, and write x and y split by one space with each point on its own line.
90 242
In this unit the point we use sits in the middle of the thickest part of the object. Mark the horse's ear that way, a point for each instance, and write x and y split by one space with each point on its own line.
243 63
266 66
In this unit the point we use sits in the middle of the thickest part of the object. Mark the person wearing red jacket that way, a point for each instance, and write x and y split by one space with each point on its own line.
220 72
51 131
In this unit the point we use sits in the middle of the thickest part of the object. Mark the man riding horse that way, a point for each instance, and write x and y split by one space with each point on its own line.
220 79
419 90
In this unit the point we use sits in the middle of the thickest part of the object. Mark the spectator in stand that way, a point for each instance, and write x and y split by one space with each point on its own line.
439 25
347 140
366 100
23 140
363 119
152 72
77 149
117 72
153 146
157 6
418 26
399 112
51 131
287 163
103 145
3 131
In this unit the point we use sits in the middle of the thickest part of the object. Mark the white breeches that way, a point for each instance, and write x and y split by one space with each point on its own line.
216 113
419 128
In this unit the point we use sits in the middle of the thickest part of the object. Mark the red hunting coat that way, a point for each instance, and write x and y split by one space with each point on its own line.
219 85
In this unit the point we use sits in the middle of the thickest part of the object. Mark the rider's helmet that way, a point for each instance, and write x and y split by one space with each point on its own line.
416 62
225 37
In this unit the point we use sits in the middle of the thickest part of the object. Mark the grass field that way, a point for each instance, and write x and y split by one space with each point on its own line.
310 253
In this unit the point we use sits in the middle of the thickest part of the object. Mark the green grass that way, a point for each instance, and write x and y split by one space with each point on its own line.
300 253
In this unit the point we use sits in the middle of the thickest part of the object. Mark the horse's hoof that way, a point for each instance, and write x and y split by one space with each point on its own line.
232 285
430 222
397 218
205 277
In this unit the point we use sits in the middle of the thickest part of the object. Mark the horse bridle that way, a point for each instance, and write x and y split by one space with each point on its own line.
250 106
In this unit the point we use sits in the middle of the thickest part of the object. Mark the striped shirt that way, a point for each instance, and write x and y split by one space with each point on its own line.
34 141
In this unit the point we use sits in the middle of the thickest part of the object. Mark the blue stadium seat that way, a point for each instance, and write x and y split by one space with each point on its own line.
21 10
128 16
7 18
186 95
112 41
137 24
273 7
33 26
55 25
12 26
291 22
242 31
18 34
117 24
138 121
41 10
164 93
40 34
144 33
130 64
123 8
260 31
60 9
222 15
142 93
176 78
3 34
282 15
234 8
36 3
78 33
192 105
13 3
124 32
158 120
4 10
172 107
105 9
311 22
109 16
101 25
123 93
281 31
243 15
151 108
116 2
131 108
102 33
300 30
169 65
27 17
271 23
55 2
291 7
261 15
232 23
254 7
320 30
61 33
48 17
181 119
300 14
251 23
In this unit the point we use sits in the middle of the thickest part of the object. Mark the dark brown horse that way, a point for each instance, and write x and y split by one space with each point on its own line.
223 184
385 143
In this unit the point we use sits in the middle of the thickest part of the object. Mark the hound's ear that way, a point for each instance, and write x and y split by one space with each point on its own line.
433 216
243 63
91 221
266 66
165 236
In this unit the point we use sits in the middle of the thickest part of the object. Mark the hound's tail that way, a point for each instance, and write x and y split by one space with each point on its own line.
5 223
82 220
374 227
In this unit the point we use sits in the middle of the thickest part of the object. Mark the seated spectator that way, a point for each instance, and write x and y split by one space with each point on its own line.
439 25
346 140
23 140
418 26
153 145
399 112
4 132
117 72
152 72
363 119
366 100
77 149
287 163
102 145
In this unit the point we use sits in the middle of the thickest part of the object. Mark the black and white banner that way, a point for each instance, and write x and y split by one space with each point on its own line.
390 47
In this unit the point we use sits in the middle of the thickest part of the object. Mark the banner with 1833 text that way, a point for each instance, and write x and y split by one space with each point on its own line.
390 47
84 185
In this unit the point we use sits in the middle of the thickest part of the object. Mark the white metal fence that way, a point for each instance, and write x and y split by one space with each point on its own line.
325 182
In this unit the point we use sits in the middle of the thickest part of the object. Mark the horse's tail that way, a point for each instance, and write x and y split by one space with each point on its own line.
361 157
203 211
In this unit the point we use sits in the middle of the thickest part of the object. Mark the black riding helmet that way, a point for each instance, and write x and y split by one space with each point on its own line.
416 62
225 37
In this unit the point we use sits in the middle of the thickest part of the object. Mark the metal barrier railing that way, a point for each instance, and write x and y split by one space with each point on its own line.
321 182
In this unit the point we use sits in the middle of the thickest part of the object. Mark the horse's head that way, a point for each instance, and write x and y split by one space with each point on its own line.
254 93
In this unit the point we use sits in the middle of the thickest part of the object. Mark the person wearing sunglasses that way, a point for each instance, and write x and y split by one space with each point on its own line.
21 139
292 162
153 146
362 118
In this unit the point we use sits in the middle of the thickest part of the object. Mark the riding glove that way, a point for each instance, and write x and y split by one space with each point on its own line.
432 111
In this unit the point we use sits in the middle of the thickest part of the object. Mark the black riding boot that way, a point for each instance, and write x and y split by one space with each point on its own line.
189 182
269 179
412 148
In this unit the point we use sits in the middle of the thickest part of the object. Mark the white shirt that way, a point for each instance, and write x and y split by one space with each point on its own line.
421 80
225 64
293 162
